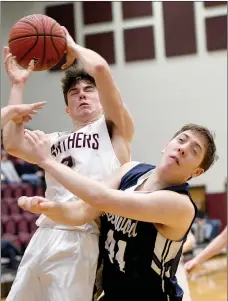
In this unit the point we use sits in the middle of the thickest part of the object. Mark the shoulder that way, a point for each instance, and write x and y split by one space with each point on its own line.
179 202
128 166
135 168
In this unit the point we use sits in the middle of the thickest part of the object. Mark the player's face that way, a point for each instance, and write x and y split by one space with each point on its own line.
83 101
184 154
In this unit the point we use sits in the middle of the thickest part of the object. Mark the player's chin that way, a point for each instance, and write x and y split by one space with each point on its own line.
87 112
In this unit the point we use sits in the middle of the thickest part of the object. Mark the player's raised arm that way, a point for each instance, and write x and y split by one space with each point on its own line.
13 132
114 109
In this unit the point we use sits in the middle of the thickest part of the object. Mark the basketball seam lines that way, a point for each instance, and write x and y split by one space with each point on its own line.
36 35
34 43
53 41
34 27
44 48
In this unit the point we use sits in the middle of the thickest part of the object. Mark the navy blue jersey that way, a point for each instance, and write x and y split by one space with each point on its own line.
139 264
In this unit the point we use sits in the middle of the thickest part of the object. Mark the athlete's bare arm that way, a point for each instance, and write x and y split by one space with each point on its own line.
13 132
213 248
75 213
114 109
161 207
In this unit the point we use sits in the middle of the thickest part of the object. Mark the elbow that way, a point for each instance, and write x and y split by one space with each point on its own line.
100 68
9 146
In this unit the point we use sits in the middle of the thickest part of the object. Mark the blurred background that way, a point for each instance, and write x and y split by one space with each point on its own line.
169 60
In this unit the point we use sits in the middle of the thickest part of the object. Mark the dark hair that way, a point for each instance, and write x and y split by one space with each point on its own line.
73 75
210 155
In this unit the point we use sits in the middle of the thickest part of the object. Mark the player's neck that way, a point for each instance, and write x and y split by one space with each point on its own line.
158 180
78 124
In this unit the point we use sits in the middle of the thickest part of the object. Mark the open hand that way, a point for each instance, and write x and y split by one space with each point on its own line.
16 75
40 146
23 113
191 265
31 204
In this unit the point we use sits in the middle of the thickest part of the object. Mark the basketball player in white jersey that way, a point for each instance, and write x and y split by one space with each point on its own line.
22 111
60 261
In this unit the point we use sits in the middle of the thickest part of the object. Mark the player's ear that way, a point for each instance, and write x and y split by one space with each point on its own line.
67 110
164 149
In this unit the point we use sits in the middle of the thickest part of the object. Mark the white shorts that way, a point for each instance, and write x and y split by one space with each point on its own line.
58 265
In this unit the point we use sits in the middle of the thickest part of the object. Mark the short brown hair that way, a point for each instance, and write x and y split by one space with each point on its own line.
73 75
210 155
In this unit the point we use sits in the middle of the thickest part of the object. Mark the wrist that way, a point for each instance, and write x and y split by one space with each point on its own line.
46 163
199 260
19 85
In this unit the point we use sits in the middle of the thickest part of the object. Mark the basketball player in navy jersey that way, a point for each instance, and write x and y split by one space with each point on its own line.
60 261
146 224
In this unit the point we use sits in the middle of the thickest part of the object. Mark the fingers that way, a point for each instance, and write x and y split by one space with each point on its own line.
46 205
31 137
41 135
189 266
10 62
22 202
26 119
31 204
65 30
31 66
7 61
36 136
68 63
38 105
6 51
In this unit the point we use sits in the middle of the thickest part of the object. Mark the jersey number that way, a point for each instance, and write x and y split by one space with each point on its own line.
110 246
68 161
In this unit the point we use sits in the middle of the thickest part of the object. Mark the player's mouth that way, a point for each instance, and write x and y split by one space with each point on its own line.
175 159
83 104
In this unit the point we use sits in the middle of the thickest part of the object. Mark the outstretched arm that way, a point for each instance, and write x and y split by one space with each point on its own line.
213 248
110 97
13 132
163 207
74 213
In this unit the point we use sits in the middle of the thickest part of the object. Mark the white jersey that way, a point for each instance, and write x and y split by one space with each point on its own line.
89 151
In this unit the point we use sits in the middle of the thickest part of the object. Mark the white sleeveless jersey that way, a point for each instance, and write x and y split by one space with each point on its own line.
88 151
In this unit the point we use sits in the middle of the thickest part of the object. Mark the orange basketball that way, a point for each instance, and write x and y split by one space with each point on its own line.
37 37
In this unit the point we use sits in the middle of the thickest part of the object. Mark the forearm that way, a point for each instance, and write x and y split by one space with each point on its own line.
77 183
74 213
213 248
91 61
13 133
70 214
